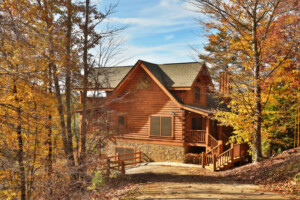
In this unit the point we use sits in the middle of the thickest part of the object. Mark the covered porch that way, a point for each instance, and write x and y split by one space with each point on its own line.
200 130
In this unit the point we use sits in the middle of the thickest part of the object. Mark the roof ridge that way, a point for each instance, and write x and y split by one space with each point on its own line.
179 63
116 66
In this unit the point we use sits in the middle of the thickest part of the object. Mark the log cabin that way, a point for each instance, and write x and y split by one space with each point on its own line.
161 110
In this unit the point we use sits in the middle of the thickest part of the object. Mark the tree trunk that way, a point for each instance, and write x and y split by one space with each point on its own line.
83 131
20 150
68 82
66 143
257 92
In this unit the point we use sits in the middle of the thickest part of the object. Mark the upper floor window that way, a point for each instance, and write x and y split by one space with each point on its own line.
160 126
121 120
197 93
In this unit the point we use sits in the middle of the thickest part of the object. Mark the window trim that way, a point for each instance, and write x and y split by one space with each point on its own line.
172 136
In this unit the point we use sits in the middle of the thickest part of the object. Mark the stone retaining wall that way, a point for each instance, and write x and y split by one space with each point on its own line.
152 152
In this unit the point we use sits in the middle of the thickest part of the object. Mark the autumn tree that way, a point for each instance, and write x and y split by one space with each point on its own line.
91 38
25 105
258 38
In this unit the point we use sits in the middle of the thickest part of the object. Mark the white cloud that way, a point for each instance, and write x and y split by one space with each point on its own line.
167 3
152 30
167 53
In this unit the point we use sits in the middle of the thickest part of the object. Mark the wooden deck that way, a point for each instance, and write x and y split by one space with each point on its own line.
218 160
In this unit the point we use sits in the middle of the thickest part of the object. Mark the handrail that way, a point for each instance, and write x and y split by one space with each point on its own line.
225 157
210 154
123 155
212 137
212 141
216 147
225 152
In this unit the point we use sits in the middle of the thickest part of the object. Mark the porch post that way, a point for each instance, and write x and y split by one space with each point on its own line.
220 136
207 130
184 132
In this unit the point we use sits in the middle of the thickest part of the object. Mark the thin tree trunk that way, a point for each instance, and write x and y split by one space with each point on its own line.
257 92
68 80
20 151
60 103
83 131
49 138
31 177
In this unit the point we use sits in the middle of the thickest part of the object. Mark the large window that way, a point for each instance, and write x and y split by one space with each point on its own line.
197 93
160 126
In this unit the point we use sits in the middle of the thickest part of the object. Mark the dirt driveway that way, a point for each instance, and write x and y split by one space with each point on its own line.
192 182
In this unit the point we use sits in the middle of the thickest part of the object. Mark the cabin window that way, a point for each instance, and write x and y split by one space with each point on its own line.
197 93
121 120
160 126
124 150
196 123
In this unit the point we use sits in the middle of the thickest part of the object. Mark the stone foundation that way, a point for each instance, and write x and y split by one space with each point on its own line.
151 152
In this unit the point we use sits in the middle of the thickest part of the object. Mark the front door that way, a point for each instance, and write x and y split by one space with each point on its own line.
197 123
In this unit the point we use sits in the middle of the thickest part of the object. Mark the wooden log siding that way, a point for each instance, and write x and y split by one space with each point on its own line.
139 104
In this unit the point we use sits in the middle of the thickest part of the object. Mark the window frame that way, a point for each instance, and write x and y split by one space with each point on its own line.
172 136
124 147
121 129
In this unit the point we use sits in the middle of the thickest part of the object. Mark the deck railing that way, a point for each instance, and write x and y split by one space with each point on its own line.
196 136
225 158
120 161
240 150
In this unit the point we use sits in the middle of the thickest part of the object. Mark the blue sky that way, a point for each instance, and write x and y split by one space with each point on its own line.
159 31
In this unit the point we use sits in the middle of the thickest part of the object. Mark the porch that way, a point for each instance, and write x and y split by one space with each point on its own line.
200 130
201 137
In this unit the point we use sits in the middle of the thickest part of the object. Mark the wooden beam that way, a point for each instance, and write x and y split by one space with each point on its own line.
179 88
208 113
207 130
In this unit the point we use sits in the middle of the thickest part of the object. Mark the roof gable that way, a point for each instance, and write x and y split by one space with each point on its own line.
153 71
170 75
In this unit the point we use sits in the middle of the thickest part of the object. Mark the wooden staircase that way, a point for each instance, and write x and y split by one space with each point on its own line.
217 160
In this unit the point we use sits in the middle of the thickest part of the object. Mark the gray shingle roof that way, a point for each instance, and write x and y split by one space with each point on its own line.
108 77
170 75
213 102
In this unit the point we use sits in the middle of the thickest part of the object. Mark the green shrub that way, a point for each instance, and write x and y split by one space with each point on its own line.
98 181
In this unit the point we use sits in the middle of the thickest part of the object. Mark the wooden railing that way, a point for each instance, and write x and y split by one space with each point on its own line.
120 161
219 159
195 136
212 142
214 151
225 158
240 150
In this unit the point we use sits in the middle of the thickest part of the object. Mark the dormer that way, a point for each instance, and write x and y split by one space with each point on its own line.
201 86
